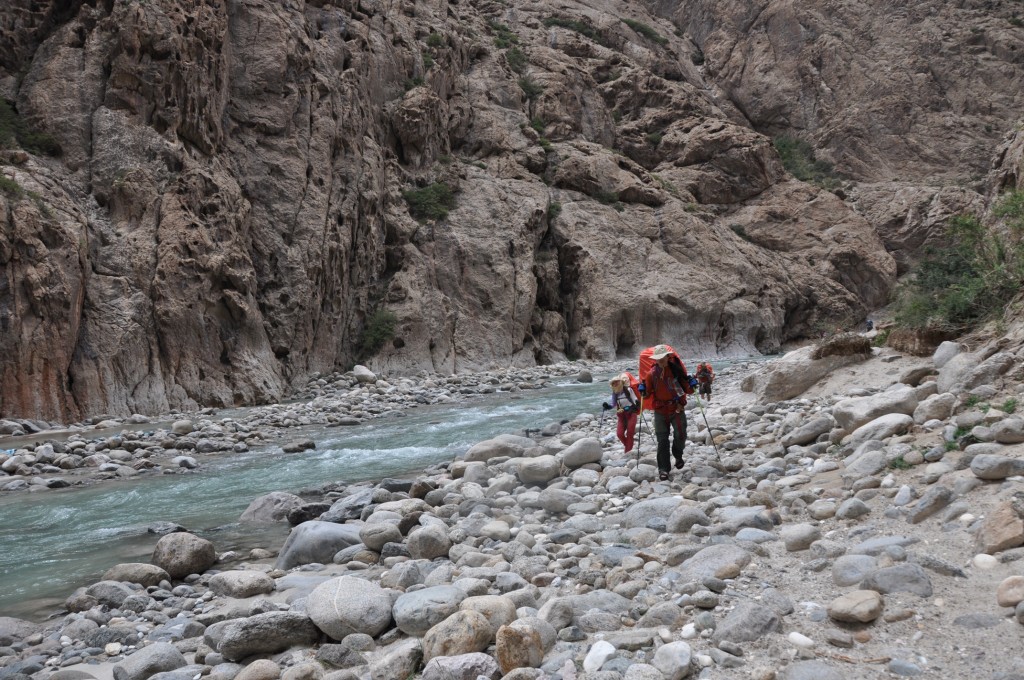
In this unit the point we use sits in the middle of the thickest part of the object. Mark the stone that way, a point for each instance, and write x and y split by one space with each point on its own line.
348 605
933 500
182 427
851 414
520 645
881 428
464 632
159 657
798 537
859 606
493 448
429 542
539 470
316 541
1002 529
906 578
673 660
241 583
944 352
418 611
935 407
684 517
265 634
472 666
598 654
996 467
363 375
1010 592
811 670
640 514
378 534
852 508
865 465
498 610
137 572
719 560
260 669
581 453
808 432
1009 431
182 553
747 622
271 507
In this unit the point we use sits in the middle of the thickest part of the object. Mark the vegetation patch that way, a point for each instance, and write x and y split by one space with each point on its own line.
798 158
1009 406
380 328
646 31
530 87
538 125
10 188
428 61
435 40
431 202
881 337
13 129
899 463
583 28
609 198
740 231
503 35
554 210
970 279
516 59
654 138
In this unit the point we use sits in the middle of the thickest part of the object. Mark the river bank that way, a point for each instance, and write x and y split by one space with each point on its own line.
867 525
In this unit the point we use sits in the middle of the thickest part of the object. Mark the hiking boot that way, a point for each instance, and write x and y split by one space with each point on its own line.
663 475
679 463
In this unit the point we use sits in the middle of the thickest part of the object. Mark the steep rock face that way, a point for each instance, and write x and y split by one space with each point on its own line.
228 208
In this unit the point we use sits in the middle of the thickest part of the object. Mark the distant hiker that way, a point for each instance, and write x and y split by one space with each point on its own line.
871 325
664 386
705 377
626 407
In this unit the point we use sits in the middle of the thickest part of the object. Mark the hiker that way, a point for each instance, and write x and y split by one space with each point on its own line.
626 408
871 325
705 377
666 385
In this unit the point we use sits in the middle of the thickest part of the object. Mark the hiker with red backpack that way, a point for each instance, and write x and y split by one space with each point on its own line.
705 377
626 407
664 384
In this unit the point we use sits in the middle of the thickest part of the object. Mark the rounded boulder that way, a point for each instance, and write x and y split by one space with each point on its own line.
347 605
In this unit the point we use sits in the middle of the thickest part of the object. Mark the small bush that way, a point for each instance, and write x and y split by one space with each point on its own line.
584 29
971 277
898 463
646 31
380 328
554 210
413 82
431 202
697 58
503 35
881 337
428 61
10 188
952 446
545 144
798 158
530 87
14 129
740 231
538 125
1009 406
654 138
435 40
516 59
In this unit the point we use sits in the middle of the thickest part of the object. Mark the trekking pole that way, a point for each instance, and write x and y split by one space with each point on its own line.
706 423
640 429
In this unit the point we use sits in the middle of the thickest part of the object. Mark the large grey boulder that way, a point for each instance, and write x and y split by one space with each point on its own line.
881 428
348 507
539 470
316 541
417 612
747 622
935 407
137 572
14 630
378 534
641 513
794 374
464 632
865 465
429 542
462 667
271 507
156 658
241 583
808 432
991 466
347 605
944 352
501 446
582 452
1009 431
181 554
852 413
267 633
721 560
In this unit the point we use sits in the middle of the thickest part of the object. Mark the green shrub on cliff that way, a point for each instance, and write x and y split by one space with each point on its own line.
969 279
799 160
646 31
14 129
431 202
380 327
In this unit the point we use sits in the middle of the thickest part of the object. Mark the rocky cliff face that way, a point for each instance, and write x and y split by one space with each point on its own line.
228 208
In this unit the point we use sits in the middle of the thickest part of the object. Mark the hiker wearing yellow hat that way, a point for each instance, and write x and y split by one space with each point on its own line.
626 407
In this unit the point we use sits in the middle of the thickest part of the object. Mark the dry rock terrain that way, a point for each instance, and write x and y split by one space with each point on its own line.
227 212
867 526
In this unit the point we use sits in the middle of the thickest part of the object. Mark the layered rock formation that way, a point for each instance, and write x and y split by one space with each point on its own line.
228 209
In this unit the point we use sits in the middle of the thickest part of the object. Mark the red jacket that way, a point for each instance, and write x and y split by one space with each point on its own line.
664 392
